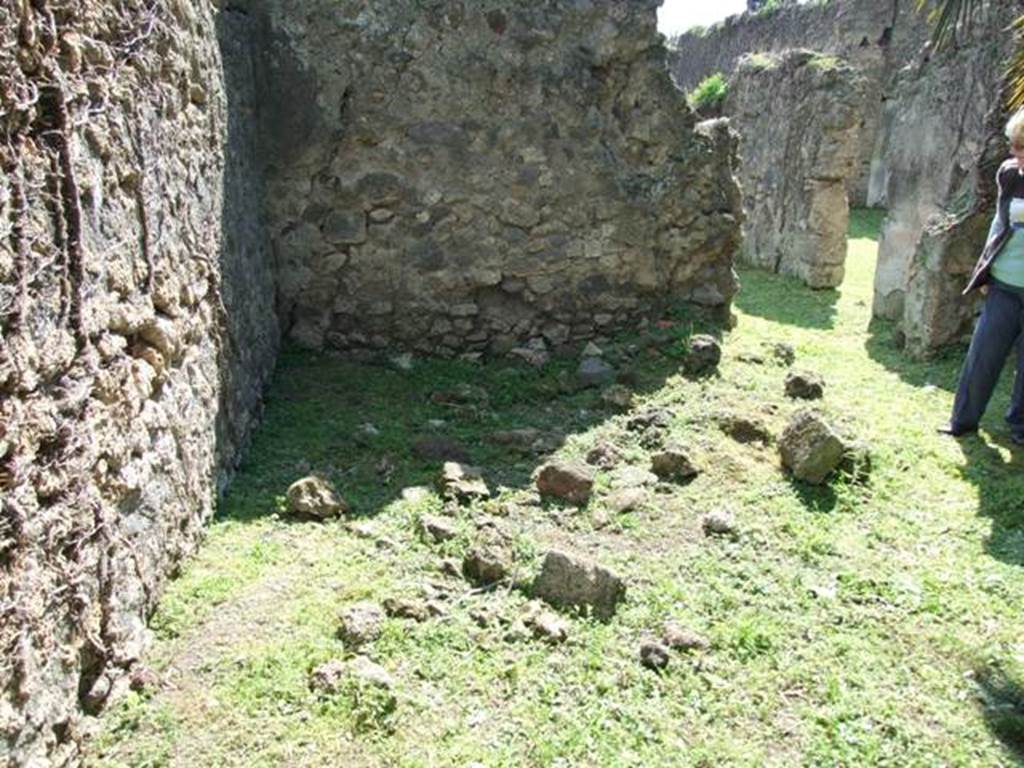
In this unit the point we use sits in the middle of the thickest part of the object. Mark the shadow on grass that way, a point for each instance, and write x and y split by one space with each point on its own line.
785 299
1000 486
1002 705
885 348
814 498
373 429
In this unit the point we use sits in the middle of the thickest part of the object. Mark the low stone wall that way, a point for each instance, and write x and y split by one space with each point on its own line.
797 115
482 175
129 373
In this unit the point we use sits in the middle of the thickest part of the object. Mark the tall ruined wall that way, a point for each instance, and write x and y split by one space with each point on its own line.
470 176
136 310
942 145
797 116
877 37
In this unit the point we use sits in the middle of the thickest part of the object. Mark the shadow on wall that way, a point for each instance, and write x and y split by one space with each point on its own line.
252 337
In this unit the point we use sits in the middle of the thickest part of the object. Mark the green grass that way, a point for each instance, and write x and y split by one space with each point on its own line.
873 624
710 92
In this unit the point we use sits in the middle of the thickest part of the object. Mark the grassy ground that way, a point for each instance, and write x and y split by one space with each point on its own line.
855 625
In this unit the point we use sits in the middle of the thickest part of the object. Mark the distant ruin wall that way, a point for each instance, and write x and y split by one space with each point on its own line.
877 37
472 176
796 113
136 310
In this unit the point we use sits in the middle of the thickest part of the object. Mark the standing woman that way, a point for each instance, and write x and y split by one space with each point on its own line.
999 274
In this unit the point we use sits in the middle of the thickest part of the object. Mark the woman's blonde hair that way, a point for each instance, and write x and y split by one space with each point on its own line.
1015 127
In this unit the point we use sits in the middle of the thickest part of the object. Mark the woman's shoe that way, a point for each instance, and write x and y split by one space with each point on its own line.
952 431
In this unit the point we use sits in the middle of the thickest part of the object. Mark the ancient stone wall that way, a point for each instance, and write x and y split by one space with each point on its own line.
796 113
450 177
136 310
877 37
942 146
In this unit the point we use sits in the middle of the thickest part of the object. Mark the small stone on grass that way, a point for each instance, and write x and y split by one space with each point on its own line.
569 481
804 385
361 623
313 498
654 655
720 523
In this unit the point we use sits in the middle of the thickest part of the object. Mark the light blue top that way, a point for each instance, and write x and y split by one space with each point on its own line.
1009 265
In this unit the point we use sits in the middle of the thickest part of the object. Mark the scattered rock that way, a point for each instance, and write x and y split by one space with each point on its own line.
328 677
856 461
722 523
313 498
535 354
482 617
450 567
805 385
652 418
362 529
522 439
604 455
518 632
366 672
566 580
402 362
682 639
368 430
414 494
550 627
144 680
361 623
809 447
626 500
592 350
673 463
462 483
406 608
702 356
570 481
744 429
437 529
618 397
751 357
436 448
633 477
784 353
463 394
485 565
594 372
653 655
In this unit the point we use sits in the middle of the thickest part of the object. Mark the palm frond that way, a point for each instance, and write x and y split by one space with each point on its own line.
951 17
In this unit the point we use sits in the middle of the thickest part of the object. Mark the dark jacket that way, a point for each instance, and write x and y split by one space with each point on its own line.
1008 179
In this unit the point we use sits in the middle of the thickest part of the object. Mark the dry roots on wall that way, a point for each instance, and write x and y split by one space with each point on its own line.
111 354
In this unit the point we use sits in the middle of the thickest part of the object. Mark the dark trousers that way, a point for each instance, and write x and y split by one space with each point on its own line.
1000 324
